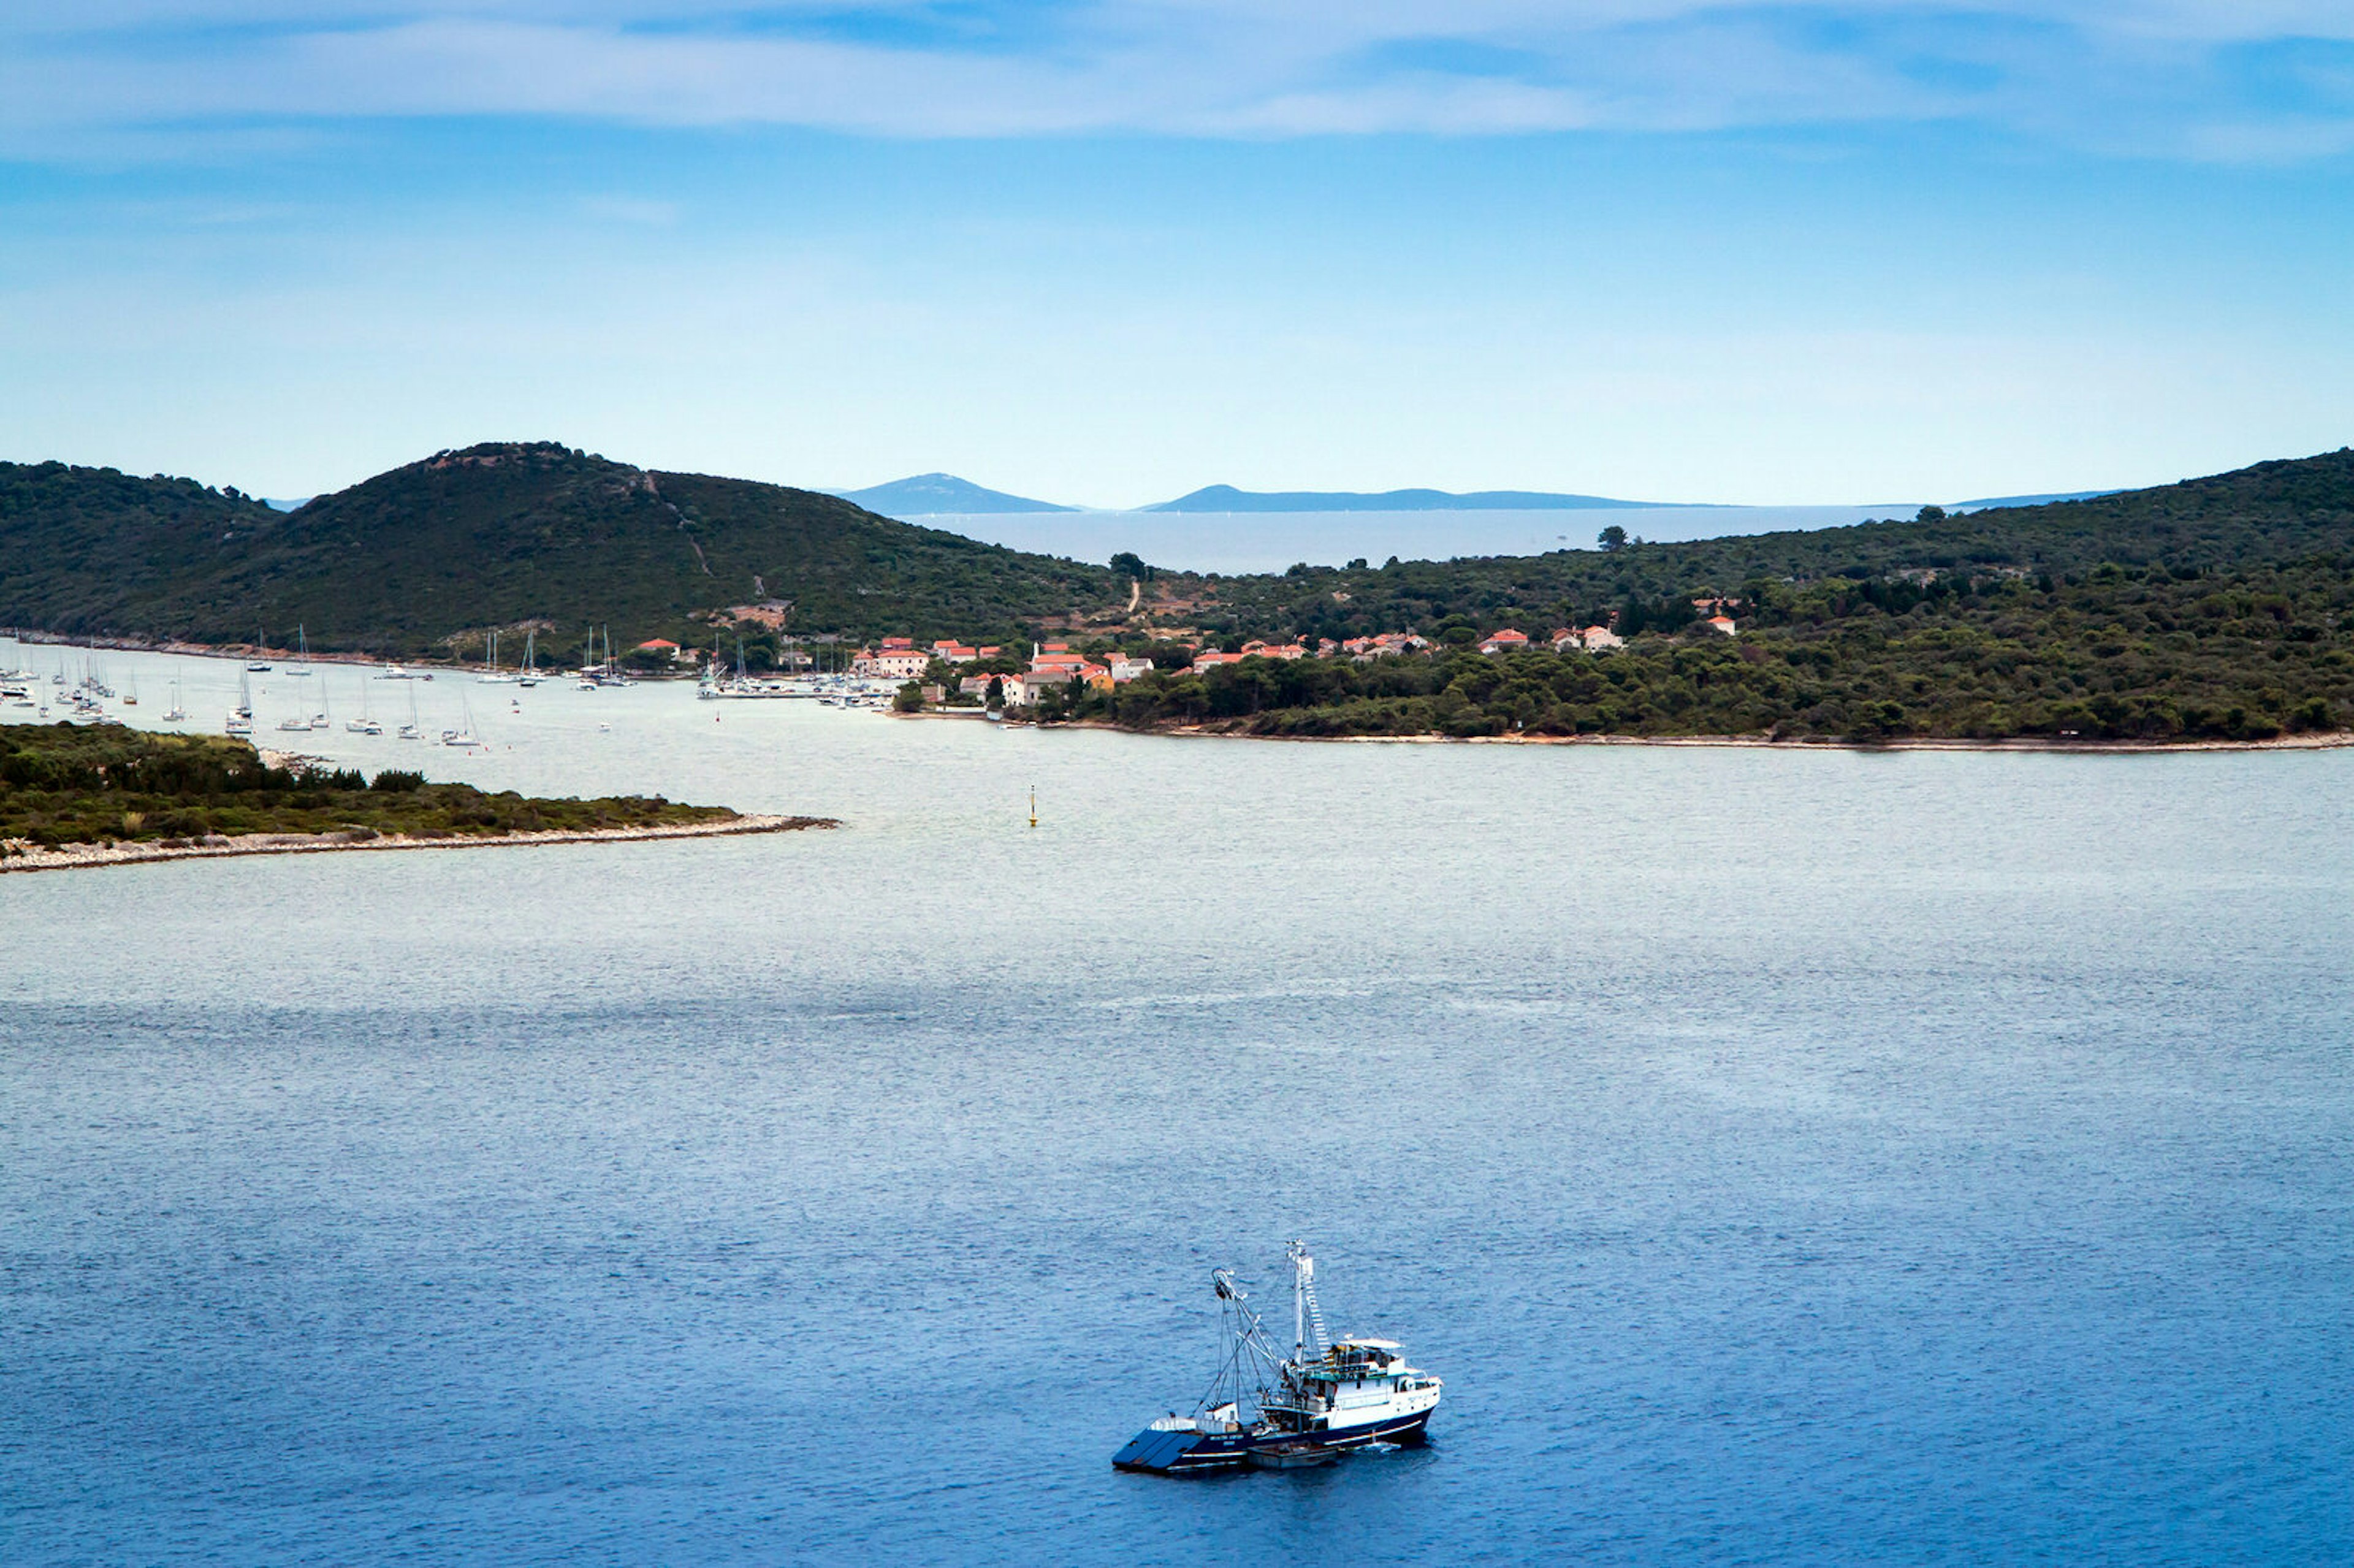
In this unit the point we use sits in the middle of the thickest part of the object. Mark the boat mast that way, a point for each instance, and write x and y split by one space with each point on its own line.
1303 1268
1305 1313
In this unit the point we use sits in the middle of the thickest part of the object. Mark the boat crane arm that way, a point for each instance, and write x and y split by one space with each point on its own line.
1248 1354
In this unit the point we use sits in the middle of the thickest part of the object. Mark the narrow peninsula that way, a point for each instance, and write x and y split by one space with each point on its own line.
85 796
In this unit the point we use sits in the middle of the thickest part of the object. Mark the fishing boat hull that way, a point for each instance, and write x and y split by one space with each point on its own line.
1158 1452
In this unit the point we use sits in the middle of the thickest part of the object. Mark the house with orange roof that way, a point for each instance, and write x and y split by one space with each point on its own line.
1505 641
904 662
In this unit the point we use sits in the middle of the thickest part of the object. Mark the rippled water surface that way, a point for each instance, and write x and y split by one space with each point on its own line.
1785 1157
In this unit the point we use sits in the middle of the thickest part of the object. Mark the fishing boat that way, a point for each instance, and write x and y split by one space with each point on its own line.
1270 1411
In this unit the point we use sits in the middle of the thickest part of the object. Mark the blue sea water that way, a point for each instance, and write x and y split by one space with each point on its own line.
1785 1157
1272 541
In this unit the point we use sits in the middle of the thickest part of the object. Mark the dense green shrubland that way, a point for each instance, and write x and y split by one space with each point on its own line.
71 784
2117 652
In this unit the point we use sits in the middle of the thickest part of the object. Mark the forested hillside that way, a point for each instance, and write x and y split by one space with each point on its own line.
428 557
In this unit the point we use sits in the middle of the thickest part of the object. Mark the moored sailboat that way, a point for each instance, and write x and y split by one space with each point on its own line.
366 724
491 677
240 718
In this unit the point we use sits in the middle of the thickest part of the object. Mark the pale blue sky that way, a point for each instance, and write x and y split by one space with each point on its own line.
1108 252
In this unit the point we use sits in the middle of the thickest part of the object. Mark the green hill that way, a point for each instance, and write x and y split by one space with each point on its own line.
2270 513
426 557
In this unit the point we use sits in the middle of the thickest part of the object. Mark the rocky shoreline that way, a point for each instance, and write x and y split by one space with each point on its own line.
2325 740
18 854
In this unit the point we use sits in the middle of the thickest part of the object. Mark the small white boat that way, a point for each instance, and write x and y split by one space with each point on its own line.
1292 1454
238 723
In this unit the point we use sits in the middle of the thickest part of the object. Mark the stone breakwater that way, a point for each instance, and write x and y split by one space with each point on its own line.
19 854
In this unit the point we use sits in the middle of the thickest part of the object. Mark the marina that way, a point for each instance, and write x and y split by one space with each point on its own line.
290 702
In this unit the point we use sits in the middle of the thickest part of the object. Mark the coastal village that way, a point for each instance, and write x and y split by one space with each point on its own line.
1014 683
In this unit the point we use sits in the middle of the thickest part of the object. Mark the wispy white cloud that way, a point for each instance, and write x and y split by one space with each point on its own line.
2187 78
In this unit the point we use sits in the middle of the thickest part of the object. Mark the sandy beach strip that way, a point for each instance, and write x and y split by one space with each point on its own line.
22 856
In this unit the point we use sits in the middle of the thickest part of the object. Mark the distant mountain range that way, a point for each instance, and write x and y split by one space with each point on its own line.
940 495
1985 502
946 495
1226 498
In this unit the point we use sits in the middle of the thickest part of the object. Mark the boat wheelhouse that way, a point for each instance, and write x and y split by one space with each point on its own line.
1272 1411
